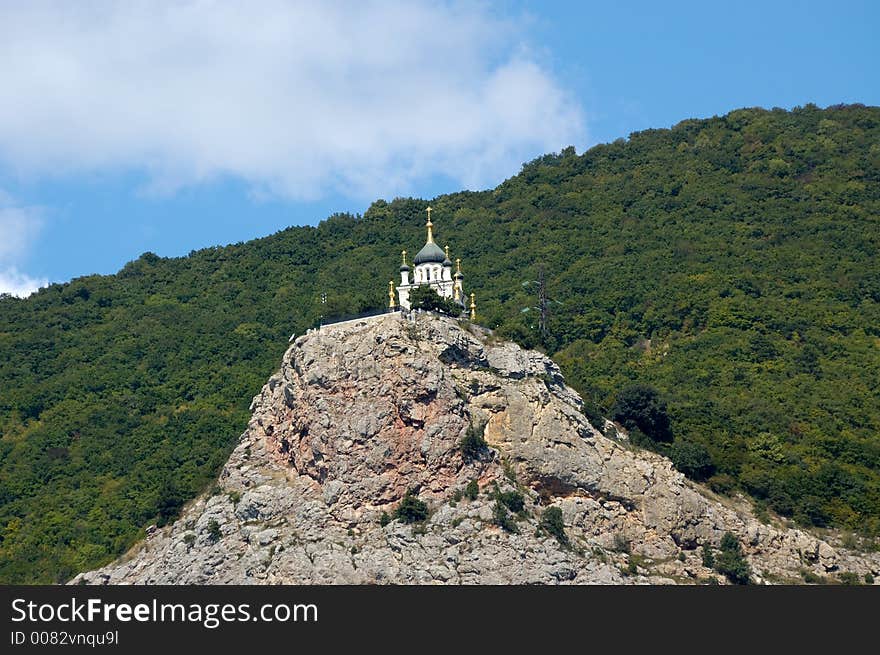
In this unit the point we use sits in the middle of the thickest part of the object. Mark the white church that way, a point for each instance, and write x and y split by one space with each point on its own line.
433 267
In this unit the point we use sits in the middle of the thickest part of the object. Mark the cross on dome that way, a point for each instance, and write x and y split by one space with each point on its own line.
430 226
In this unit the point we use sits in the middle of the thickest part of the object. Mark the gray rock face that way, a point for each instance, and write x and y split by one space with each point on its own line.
362 412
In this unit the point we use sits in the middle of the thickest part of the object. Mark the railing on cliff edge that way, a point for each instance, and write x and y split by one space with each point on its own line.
341 318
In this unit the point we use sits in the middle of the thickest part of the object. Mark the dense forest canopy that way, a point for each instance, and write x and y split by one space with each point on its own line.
730 264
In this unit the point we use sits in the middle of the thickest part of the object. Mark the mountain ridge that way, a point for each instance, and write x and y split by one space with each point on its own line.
728 262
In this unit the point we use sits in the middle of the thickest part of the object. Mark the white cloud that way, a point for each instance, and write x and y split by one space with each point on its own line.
19 227
18 284
297 98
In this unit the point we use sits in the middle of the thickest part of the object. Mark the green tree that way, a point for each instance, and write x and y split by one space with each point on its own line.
170 502
426 298
502 517
411 509
731 562
640 406
512 500
214 532
692 459
472 444
552 522
708 556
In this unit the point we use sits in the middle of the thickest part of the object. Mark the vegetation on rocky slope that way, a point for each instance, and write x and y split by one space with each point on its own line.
729 263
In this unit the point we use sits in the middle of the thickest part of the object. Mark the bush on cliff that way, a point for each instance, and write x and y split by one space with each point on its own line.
502 517
731 562
411 509
214 532
640 406
513 500
552 522
473 444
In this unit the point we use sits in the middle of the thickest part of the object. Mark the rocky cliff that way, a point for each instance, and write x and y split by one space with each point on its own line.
362 412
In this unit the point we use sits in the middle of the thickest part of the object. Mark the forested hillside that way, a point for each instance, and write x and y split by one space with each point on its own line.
729 263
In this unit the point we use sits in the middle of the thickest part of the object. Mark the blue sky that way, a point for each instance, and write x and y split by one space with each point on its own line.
168 127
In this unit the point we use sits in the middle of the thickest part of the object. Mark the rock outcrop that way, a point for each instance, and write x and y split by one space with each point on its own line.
362 412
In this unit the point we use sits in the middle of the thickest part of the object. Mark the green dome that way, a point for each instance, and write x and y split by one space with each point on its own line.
431 253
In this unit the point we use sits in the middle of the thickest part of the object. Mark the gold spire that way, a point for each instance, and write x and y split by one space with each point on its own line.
430 225
473 308
403 255
447 251
390 294
458 265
